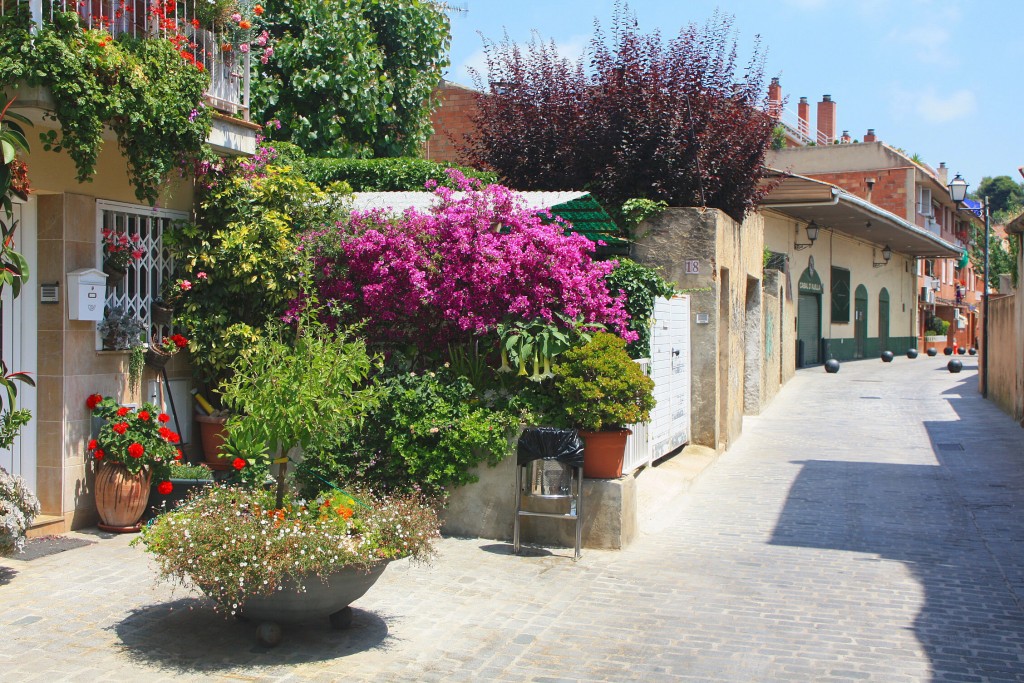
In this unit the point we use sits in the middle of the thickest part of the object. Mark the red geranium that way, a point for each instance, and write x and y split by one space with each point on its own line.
133 438
238 463
120 427
98 454
122 411
180 455
136 450
144 416
92 444
173 437
163 417
164 487
93 401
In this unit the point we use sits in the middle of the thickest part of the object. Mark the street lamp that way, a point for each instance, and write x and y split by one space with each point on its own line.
886 255
812 235
958 192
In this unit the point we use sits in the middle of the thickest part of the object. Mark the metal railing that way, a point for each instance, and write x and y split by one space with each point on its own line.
638 445
229 70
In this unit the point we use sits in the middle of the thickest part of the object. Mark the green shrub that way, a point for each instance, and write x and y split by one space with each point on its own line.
641 285
427 432
399 174
601 387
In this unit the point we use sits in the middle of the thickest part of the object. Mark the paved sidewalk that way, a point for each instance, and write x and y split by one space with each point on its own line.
867 526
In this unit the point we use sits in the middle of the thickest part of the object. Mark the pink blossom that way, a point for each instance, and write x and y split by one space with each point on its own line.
244 47
477 259
201 275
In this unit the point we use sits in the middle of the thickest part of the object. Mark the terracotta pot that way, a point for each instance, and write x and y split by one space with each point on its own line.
121 497
603 453
211 435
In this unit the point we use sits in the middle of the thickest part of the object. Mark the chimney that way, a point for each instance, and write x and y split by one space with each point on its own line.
826 120
943 172
803 112
775 98
870 135
846 139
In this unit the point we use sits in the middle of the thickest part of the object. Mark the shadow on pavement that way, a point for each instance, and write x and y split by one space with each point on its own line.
956 525
189 636
6 575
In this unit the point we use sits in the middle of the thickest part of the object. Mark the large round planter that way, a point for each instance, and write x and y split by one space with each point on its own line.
603 453
121 497
211 434
328 597
180 490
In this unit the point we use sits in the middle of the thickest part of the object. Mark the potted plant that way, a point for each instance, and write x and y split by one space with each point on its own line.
18 506
162 308
122 331
603 390
183 480
289 560
159 353
119 252
133 448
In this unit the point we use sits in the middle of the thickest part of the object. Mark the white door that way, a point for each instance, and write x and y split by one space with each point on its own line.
670 370
19 345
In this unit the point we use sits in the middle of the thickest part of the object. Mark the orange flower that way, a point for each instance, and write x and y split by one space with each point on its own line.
226 47
244 25
258 10
345 512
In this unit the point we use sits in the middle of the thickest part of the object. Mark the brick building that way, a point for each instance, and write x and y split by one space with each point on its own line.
890 179
452 120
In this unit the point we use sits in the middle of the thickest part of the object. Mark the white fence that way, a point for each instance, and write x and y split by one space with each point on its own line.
638 445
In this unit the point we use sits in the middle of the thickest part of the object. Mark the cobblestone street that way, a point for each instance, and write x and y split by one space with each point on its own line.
867 526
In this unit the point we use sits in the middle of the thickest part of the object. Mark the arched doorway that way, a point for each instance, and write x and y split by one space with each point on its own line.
860 322
808 315
883 320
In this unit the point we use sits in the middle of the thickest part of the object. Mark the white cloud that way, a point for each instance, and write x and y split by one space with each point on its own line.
929 43
571 49
930 106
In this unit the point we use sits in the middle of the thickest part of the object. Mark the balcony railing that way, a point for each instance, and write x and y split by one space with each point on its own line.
229 69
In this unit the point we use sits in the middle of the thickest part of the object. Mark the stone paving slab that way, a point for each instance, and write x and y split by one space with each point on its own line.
867 526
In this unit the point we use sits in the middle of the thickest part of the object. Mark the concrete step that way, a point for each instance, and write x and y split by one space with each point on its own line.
46 525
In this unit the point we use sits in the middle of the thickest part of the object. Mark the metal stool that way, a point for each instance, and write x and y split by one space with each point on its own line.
549 466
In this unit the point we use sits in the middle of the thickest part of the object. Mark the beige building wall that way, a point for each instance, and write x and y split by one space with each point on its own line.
1004 361
719 263
898 278
70 366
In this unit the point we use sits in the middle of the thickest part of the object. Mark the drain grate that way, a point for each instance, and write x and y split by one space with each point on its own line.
951 446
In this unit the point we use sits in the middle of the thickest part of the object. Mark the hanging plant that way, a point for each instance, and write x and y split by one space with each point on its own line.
148 90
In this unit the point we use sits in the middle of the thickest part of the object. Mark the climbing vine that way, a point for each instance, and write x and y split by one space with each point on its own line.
147 90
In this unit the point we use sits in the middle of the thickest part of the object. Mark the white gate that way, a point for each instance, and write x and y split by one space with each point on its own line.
669 367
18 344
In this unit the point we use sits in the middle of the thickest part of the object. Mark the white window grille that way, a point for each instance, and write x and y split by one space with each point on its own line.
145 277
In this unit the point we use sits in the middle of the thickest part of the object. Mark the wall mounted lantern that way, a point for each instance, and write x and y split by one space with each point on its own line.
812 234
886 255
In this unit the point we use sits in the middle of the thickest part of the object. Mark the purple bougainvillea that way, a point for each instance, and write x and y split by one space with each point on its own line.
480 257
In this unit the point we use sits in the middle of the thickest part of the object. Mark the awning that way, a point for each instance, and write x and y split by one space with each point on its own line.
831 207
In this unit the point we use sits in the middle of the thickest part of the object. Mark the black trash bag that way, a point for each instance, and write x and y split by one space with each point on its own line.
550 443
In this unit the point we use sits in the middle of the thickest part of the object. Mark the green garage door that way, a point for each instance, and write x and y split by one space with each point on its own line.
809 326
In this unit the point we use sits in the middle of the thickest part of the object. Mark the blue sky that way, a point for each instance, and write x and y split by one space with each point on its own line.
938 78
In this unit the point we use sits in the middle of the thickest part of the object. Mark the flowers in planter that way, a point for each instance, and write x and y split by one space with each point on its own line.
233 542
137 438
120 250
170 345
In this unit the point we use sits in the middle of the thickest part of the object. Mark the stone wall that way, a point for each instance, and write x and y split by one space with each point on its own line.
718 262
